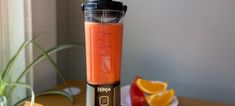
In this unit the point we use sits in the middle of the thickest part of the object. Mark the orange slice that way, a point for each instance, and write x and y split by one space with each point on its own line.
151 87
161 99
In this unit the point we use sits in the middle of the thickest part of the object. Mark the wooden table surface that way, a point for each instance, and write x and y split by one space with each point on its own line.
80 100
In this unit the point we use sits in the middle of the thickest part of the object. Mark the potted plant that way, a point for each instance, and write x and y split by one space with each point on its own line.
5 75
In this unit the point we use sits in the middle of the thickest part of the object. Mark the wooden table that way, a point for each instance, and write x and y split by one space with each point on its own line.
80 100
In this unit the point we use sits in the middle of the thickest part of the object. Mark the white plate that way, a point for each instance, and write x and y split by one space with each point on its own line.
126 99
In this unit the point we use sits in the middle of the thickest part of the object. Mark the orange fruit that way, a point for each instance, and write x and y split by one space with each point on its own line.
151 87
161 99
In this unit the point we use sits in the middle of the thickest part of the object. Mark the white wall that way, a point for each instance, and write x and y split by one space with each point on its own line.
70 29
189 43
44 22
76 57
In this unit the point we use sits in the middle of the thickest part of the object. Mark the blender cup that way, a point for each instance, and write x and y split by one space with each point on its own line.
103 36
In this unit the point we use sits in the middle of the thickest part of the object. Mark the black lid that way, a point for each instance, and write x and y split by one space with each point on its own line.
104 5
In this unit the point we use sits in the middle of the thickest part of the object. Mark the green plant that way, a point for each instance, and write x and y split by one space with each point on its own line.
5 75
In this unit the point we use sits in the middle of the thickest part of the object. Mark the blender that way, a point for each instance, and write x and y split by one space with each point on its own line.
103 37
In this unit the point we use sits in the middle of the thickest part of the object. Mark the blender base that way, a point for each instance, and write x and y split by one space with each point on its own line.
103 95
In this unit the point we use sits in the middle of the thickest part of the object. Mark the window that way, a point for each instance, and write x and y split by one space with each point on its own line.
15 28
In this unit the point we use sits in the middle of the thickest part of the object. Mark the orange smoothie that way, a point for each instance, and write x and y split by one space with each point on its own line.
103 52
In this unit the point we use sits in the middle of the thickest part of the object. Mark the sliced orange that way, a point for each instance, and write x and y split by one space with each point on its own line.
161 99
151 87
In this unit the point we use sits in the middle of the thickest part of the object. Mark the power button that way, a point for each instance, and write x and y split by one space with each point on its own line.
104 100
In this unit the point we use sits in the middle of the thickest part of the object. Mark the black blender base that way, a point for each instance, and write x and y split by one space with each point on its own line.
103 95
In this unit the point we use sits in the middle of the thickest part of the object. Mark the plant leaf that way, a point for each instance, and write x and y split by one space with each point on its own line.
57 69
12 61
40 58
49 92
10 67
26 86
